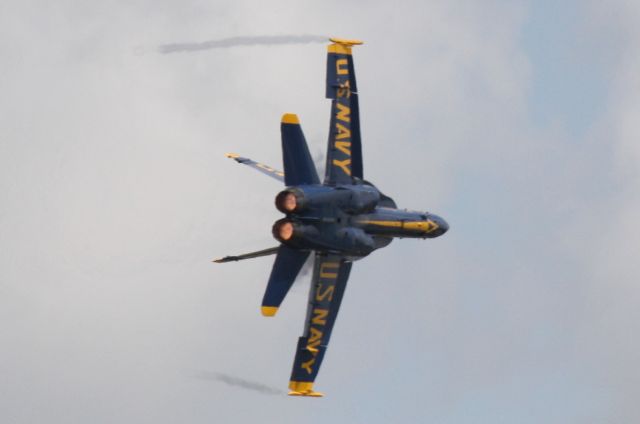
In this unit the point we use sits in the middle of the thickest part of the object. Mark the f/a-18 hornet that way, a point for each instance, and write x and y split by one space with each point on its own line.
340 220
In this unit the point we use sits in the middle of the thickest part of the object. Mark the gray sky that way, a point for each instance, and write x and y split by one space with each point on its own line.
516 121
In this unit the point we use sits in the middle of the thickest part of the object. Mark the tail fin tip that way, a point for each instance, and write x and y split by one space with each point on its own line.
290 118
269 311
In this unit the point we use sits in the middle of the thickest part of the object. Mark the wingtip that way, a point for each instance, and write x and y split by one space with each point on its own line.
303 388
342 46
309 394
269 311
290 118
345 41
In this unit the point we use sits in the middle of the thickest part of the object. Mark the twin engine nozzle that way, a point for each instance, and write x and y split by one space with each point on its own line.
351 199
290 201
286 230
303 205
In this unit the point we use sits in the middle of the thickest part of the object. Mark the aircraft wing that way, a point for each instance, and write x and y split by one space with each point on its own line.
265 169
330 275
344 151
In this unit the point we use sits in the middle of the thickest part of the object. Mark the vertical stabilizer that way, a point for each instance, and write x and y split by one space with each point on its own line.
299 168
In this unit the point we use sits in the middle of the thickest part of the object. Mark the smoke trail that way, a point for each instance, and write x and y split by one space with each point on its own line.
239 382
262 40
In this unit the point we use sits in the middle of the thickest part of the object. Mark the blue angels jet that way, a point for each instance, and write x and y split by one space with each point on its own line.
339 220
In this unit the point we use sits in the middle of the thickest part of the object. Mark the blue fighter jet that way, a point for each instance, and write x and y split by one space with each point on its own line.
339 220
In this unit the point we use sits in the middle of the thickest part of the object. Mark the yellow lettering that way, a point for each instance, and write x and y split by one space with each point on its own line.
343 132
315 339
319 316
313 347
327 274
342 67
344 90
328 293
343 112
316 335
344 165
307 365
344 146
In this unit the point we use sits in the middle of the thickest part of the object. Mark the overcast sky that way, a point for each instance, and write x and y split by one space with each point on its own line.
517 121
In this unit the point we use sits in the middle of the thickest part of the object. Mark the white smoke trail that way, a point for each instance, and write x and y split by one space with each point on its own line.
239 382
262 40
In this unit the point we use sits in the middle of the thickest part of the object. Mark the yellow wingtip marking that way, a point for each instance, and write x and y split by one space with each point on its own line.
342 45
303 388
300 386
232 155
290 118
269 311
310 394
346 41
339 49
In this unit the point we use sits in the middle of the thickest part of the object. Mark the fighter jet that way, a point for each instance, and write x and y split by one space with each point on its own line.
338 220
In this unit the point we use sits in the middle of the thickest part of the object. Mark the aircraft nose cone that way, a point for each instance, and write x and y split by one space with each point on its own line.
443 226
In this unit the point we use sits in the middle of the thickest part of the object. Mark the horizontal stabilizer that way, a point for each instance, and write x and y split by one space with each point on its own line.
265 169
285 269
259 253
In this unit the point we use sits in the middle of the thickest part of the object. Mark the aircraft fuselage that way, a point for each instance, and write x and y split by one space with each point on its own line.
352 220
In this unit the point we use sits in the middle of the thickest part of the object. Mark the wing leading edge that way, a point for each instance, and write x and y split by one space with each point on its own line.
330 275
